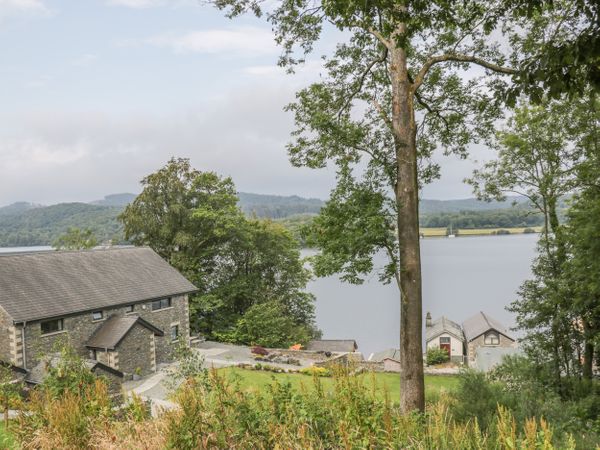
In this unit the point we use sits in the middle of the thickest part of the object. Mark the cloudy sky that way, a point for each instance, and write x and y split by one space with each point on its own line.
95 94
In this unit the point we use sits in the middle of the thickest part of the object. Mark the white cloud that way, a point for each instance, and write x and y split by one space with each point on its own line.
80 156
84 60
249 41
20 8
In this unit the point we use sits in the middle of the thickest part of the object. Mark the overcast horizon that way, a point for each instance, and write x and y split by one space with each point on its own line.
98 95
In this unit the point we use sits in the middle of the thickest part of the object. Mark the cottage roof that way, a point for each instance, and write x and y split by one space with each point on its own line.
333 345
478 324
441 326
390 353
114 329
40 285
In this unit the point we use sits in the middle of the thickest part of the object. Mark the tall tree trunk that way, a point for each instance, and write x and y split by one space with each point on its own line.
588 352
412 390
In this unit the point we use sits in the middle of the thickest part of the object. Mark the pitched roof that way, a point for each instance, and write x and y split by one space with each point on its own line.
114 329
391 353
441 326
39 285
332 345
478 324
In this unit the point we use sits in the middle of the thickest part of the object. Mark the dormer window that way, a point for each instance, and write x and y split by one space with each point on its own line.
491 338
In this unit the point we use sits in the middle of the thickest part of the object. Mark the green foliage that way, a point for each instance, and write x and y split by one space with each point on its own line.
189 365
43 225
436 355
66 372
10 390
522 386
191 218
76 239
501 218
268 324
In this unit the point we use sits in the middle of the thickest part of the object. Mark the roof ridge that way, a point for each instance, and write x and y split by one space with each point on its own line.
62 252
486 320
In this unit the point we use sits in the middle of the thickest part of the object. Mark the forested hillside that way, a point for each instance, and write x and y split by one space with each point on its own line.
42 225
23 224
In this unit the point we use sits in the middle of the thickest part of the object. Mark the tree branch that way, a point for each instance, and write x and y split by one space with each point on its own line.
457 57
361 80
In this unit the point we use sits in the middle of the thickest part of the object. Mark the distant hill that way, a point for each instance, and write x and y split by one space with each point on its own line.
116 200
17 208
23 224
277 206
41 225
427 206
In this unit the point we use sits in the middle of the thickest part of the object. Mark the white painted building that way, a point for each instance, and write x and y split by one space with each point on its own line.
446 334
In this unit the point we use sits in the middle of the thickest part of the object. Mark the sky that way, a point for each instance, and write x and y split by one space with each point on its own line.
96 94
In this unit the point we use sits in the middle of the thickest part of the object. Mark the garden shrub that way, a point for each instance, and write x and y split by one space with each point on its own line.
436 355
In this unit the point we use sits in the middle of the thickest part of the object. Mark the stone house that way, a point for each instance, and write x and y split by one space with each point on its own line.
125 308
482 331
445 334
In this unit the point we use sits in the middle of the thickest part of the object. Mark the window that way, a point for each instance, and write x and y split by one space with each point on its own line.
52 326
161 304
174 332
444 340
491 338
129 309
97 315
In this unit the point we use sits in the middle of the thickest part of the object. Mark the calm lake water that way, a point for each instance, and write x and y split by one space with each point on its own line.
460 277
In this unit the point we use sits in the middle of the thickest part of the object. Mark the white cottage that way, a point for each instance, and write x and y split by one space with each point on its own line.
446 334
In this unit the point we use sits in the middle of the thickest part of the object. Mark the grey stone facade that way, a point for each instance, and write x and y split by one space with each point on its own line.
6 336
79 328
479 341
137 352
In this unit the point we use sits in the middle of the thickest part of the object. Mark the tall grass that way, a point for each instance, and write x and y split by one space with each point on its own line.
214 413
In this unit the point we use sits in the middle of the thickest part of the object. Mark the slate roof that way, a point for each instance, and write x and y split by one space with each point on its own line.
478 324
40 285
114 329
391 353
333 345
441 326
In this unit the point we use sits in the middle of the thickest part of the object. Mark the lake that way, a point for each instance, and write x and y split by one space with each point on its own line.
461 276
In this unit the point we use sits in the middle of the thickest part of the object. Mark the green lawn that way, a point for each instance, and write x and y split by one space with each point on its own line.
6 440
257 380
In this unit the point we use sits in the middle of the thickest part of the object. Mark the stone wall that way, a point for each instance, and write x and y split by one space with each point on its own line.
473 345
79 328
136 353
6 337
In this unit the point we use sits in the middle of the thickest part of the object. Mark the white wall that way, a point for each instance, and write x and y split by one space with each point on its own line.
456 345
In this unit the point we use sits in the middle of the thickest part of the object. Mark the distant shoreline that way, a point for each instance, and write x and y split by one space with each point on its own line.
461 232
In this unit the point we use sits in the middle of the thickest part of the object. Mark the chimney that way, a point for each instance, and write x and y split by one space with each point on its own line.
428 320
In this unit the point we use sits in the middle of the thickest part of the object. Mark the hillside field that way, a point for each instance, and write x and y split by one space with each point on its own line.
382 382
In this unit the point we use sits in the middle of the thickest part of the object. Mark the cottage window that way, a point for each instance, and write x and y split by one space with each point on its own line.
161 304
174 332
52 326
129 308
97 315
444 340
491 338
